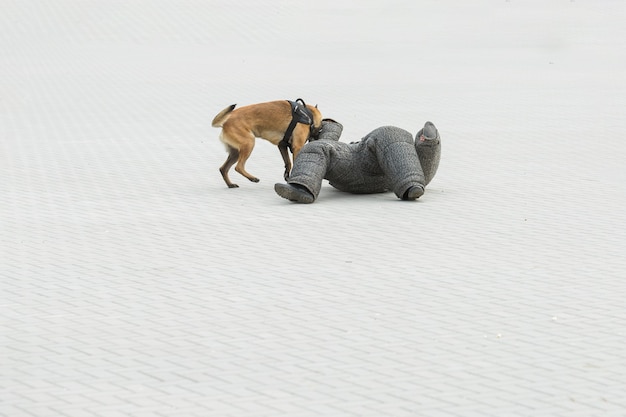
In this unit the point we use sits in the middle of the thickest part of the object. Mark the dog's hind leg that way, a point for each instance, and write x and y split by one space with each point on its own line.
244 153
233 155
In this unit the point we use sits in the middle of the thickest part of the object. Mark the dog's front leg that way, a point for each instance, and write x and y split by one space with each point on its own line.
286 159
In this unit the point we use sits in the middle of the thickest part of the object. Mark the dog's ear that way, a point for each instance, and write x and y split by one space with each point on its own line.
316 106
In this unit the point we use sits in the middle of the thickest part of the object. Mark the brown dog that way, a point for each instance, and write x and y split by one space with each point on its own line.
269 121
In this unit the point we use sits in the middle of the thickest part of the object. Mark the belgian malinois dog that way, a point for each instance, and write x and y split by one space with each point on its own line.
271 121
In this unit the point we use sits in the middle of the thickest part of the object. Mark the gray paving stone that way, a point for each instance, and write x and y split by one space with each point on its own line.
134 283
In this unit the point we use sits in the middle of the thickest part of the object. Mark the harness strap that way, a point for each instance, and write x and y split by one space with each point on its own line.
299 114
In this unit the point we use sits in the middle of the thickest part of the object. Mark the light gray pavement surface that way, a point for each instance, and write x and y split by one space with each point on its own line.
134 283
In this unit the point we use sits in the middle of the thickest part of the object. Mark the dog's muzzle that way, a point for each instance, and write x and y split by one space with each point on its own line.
330 130
314 133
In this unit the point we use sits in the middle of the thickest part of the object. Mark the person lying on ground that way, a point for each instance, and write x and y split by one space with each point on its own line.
386 159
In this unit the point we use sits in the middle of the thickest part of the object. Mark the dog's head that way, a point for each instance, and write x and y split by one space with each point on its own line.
317 121
331 130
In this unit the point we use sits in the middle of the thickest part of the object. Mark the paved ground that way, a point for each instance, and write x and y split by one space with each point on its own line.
134 283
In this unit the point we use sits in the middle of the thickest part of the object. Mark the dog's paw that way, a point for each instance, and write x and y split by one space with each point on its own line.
254 179
233 186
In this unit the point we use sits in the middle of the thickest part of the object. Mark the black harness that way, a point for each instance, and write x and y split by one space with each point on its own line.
299 114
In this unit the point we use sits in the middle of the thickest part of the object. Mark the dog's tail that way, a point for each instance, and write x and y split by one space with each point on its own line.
222 116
